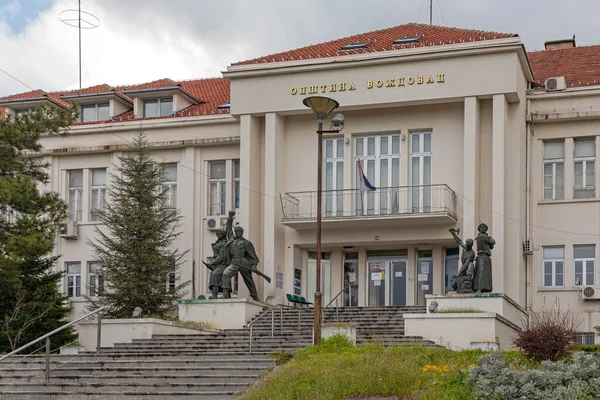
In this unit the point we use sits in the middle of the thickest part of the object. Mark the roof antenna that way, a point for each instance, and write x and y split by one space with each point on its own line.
73 18
430 12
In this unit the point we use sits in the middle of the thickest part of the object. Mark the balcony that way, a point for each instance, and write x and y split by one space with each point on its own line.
399 205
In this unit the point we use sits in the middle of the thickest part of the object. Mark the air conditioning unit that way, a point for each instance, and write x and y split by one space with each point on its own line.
527 247
68 230
213 224
556 83
591 293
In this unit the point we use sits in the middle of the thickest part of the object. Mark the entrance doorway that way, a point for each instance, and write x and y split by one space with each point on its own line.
387 281
424 275
350 279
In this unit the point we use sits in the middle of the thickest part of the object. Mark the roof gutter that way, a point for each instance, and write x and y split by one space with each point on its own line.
31 99
82 96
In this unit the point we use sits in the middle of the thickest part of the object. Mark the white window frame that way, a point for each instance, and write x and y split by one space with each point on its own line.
554 162
236 184
588 189
158 105
98 207
96 107
584 267
95 280
333 197
217 187
169 187
75 196
553 261
73 285
421 194
371 202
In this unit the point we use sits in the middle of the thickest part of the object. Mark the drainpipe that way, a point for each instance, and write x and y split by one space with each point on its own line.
528 152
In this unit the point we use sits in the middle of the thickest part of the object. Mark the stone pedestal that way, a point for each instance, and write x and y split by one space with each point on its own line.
466 321
339 328
220 313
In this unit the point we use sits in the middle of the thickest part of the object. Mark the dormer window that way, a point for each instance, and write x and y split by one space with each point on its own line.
95 112
23 111
158 107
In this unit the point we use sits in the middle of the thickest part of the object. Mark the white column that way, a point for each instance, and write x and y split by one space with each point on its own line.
186 199
273 231
497 227
250 213
470 201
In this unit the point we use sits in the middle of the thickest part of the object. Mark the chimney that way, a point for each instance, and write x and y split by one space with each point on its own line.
560 44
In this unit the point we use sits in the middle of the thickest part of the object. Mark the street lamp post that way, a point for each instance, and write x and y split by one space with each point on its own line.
322 107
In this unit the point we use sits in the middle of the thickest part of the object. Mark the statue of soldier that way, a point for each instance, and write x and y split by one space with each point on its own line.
240 256
464 280
217 268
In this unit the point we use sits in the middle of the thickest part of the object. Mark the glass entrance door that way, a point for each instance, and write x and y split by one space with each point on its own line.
387 282
424 275
351 279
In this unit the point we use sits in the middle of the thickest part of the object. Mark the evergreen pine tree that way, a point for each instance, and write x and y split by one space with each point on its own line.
136 244
30 300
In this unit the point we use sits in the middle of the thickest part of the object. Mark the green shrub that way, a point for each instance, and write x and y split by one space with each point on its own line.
590 348
281 357
497 379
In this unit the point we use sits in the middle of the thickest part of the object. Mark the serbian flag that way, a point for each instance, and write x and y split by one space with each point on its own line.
365 185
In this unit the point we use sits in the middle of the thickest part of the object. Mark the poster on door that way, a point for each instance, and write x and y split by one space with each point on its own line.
378 267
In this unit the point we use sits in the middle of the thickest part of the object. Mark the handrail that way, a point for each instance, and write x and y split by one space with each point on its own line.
358 190
47 337
331 302
270 310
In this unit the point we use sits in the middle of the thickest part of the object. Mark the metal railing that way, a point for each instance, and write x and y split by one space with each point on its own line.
385 201
48 335
272 312
337 317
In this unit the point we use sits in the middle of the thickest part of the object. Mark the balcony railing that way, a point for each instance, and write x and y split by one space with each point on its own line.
355 203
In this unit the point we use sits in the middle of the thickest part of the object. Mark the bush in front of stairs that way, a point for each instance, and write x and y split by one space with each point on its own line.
496 378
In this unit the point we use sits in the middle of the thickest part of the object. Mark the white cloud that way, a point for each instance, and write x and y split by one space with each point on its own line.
10 9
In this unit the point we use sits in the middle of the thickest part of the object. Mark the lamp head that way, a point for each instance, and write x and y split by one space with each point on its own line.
321 106
337 123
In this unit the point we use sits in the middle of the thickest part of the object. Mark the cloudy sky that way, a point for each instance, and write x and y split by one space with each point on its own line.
143 40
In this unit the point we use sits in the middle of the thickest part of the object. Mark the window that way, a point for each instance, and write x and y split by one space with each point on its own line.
380 160
236 184
584 261
95 112
158 107
334 177
354 46
421 171
451 267
75 194
98 194
169 185
217 187
406 40
23 111
554 261
584 157
96 278
311 276
554 170
171 282
585 338
73 279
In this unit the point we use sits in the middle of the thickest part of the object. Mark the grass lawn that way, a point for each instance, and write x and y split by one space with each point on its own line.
334 370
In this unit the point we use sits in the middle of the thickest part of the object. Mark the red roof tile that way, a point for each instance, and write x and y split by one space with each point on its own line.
579 65
382 40
211 93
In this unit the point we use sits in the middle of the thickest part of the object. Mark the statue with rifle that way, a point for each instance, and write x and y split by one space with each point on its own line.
216 275
239 255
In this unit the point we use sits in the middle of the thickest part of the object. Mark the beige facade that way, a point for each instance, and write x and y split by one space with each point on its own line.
452 136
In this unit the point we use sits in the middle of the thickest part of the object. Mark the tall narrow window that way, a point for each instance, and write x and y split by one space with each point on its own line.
584 262
169 185
217 187
554 261
96 279
73 279
554 170
421 171
311 276
333 195
380 160
584 179
451 268
236 184
171 282
98 194
75 194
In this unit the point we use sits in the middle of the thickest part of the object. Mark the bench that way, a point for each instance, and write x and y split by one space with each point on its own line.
297 300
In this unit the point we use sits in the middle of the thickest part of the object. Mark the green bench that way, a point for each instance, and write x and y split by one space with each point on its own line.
294 299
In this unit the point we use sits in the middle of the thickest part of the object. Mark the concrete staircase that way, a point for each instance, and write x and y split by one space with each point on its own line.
173 367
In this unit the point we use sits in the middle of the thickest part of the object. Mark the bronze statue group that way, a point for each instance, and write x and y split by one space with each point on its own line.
232 253
475 274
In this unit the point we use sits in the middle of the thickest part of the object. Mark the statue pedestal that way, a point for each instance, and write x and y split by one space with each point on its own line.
466 321
220 313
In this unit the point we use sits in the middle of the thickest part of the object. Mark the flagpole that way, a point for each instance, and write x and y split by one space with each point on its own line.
361 191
